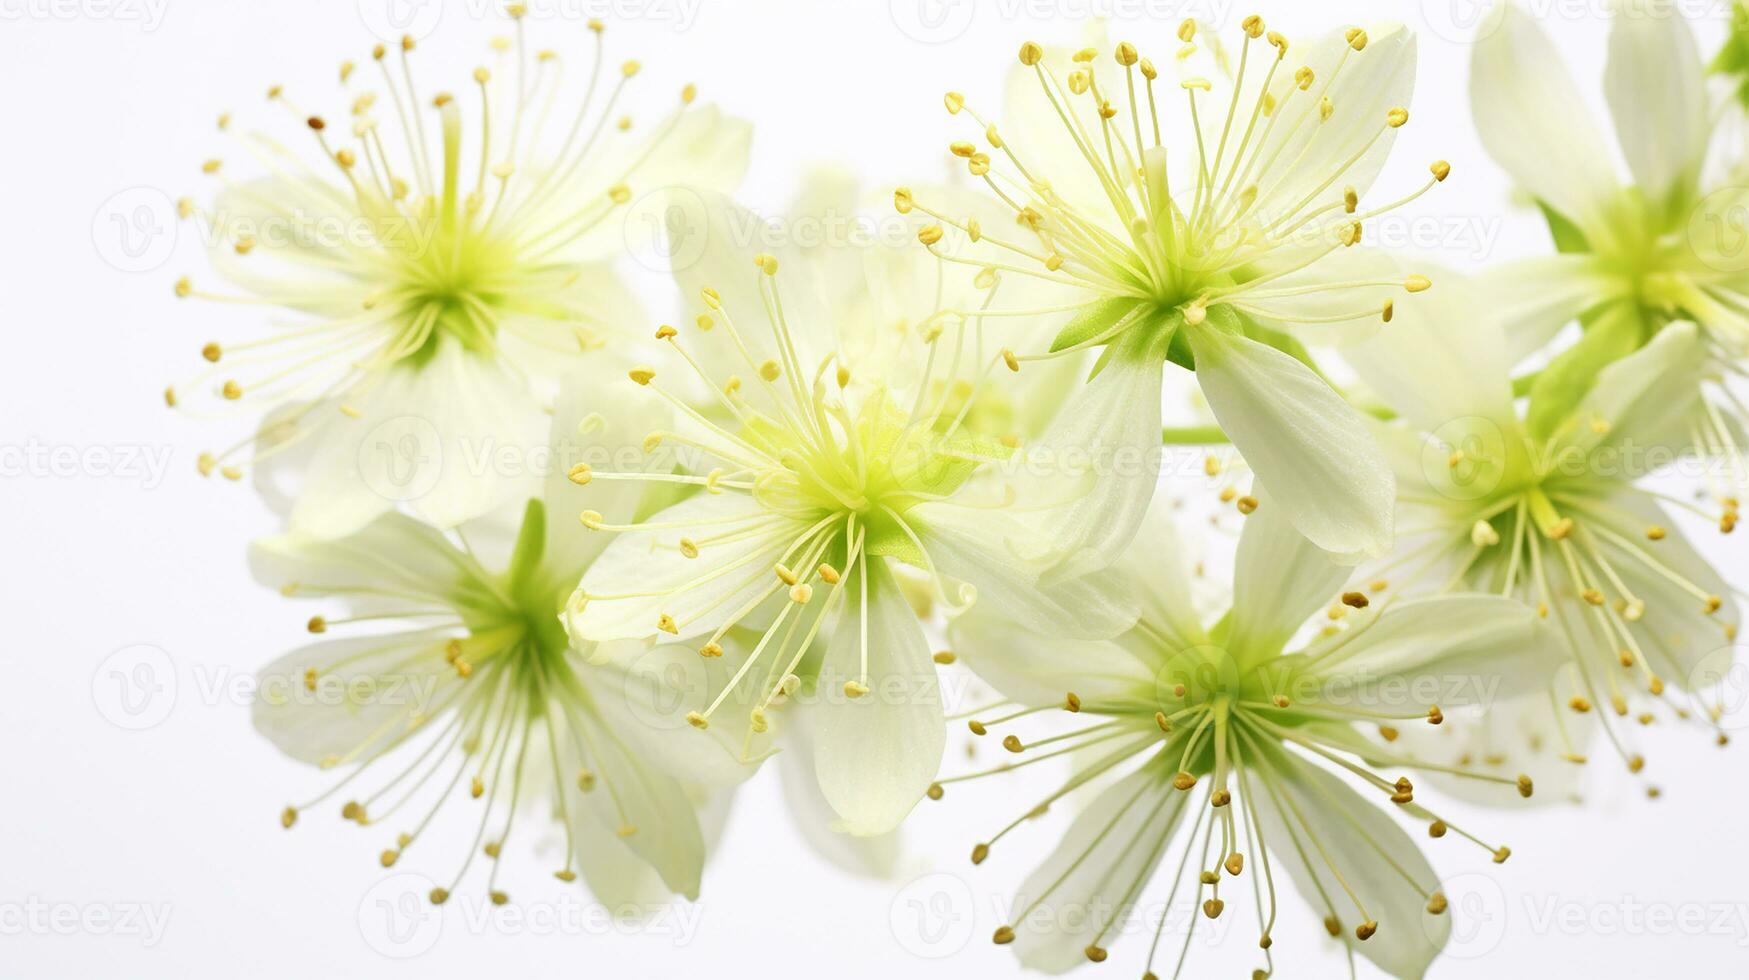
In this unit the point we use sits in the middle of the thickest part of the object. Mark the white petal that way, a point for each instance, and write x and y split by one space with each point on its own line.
649 810
1646 399
819 824
1460 649
364 684
426 437
1312 158
1035 668
600 420
1352 832
876 754
644 693
1156 562
699 593
1533 121
394 554
1358 264
977 546
1532 299
1117 840
1279 580
1657 96
706 151
1441 359
1101 458
1309 446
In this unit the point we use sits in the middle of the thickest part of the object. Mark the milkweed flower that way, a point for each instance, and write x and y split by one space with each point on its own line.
1233 749
818 488
1637 254
1205 219
1571 523
428 261
457 688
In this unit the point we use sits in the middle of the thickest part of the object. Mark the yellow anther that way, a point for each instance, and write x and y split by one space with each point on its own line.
903 202
855 689
689 547
1012 743
642 375
770 371
1440 170
1246 504
288 816
317 625
1126 54
1186 30
1366 929
1010 360
580 474
1003 935
1356 38
697 720
712 649
1031 54
979 853
1253 26
1395 118
929 234
666 624
1183 781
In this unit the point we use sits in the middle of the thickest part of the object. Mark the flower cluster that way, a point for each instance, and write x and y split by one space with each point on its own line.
841 484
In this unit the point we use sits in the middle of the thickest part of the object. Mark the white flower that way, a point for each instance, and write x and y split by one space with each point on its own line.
1232 749
459 681
1201 219
431 264
1565 523
1637 254
818 488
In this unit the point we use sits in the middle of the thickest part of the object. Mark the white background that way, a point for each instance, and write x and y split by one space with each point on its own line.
98 557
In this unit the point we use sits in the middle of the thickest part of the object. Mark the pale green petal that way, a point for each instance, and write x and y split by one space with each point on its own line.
1657 96
1279 580
1311 161
816 821
1448 651
1532 299
427 438
370 690
981 547
1309 446
1100 458
1033 668
1349 841
875 755
1644 400
648 810
700 593
1442 358
1077 897
1533 120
